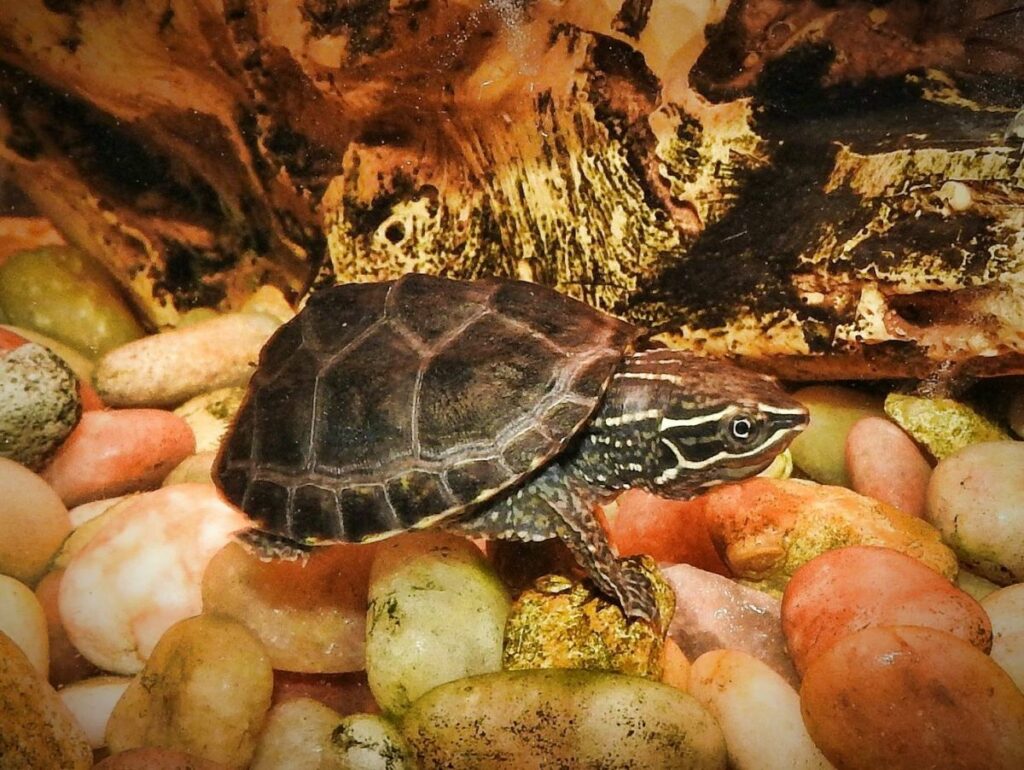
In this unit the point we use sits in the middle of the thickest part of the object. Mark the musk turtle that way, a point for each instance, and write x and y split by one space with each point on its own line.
494 407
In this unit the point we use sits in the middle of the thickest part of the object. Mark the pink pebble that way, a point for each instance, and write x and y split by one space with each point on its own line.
714 612
116 451
884 463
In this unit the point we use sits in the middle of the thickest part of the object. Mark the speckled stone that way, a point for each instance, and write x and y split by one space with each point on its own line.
565 623
941 425
36 728
39 404
165 370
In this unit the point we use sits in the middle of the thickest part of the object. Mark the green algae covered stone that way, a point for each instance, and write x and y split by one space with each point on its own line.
61 292
564 623
941 425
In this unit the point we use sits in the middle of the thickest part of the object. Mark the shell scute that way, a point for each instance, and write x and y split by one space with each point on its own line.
589 379
417 495
236 450
233 481
334 318
545 312
276 356
290 392
521 453
316 514
565 418
364 404
267 502
469 481
365 512
486 380
415 301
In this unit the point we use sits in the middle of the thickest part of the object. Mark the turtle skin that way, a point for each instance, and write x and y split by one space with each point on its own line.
383 407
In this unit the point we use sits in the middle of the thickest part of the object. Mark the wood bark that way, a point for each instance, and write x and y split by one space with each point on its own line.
827 190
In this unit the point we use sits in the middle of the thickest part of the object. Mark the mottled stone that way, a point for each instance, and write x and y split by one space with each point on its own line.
36 728
941 425
565 623
39 404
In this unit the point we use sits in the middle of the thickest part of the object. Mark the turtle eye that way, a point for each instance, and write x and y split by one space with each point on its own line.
742 430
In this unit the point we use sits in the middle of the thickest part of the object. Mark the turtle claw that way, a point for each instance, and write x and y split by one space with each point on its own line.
270 547
635 593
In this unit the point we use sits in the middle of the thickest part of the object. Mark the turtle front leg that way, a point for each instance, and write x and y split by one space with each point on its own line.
581 531
556 504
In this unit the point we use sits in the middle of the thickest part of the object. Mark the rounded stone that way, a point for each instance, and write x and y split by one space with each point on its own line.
39 404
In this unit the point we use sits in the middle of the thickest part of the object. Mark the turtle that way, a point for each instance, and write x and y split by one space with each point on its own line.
491 407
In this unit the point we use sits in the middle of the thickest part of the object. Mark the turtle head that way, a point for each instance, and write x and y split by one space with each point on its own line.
676 423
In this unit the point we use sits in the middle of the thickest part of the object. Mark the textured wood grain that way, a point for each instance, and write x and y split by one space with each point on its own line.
818 198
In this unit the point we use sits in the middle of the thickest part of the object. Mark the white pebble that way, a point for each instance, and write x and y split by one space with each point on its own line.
91 702
1005 609
758 711
975 498
85 512
142 572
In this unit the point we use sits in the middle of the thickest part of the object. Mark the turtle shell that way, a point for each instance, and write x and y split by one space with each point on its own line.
388 406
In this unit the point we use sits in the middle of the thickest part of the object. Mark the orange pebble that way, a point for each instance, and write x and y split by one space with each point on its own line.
9 340
910 697
91 400
675 666
117 451
673 531
67 664
849 589
33 522
883 462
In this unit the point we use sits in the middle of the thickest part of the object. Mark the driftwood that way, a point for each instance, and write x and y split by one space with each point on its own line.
824 189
